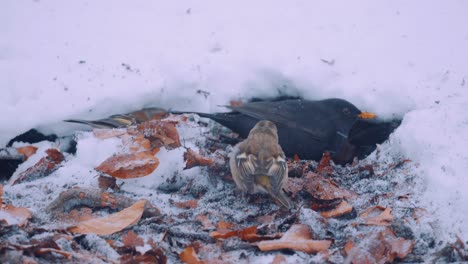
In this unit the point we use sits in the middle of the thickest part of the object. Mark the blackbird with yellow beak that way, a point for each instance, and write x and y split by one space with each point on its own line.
258 163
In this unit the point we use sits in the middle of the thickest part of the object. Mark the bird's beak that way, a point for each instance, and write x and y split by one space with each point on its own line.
367 115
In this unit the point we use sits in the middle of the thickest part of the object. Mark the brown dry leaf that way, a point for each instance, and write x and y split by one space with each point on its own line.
20 215
111 223
105 182
342 209
132 240
159 132
298 237
324 166
377 247
248 234
324 189
189 256
27 151
1 195
190 204
136 143
42 168
206 223
108 133
193 159
377 215
125 166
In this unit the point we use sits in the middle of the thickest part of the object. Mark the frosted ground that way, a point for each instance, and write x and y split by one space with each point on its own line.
89 59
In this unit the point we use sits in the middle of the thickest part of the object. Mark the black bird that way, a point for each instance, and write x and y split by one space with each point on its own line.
305 128
309 128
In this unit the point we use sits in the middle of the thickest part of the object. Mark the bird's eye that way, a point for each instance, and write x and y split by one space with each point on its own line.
346 111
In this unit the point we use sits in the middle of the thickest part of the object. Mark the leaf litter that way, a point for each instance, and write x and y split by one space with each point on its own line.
170 198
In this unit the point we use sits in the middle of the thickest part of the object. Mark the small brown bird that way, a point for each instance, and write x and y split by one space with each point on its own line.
258 163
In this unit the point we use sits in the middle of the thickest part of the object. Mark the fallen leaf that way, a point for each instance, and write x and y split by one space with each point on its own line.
27 151
324 166
299 238
342 209
42 168
225 225
190 204
112 223
136 143
1 195
193 159
125 166
132 240
15 215
377 215
105 183
189 256
322 188
159 133
377 247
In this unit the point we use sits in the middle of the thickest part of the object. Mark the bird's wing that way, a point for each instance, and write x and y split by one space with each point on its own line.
245 165
282 113
278 173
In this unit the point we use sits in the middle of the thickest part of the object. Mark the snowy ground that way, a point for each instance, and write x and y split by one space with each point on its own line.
90 59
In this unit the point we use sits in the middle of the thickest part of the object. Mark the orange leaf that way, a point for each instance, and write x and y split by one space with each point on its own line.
16 215
189 256
42 168
322 188
112 223
343 208
132 240
193 159
190 204
324 166
127 166
224 225
27 151
160 133
298 237
377 215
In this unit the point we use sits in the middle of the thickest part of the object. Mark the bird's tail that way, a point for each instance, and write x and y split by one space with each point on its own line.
282 199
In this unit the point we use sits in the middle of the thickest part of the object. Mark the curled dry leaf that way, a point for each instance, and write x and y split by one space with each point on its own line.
127 166
298 237
159 133
136 143
112 223
324 189
377 247
193 159
105 182
342 209
42 168
14 215
27 151
94 198
189 256
377 215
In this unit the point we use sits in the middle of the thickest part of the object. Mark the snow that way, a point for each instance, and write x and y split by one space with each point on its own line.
91 59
